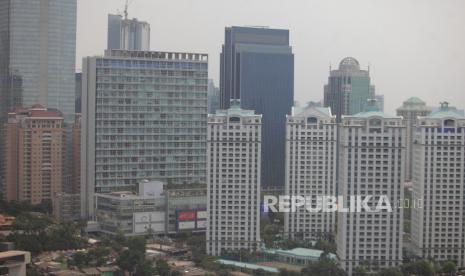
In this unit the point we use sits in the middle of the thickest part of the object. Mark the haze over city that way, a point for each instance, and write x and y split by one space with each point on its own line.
414 48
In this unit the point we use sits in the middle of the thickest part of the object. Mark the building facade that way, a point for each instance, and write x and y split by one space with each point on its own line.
144 117
410 110
438 220
127 34
371 163
213 97
311 156
348 88
155 207
257 67
233 180
34 155
37 55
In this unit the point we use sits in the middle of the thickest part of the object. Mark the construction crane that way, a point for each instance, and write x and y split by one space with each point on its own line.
126 6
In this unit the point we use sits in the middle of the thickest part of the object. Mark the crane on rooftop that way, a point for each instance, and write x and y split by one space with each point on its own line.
126 6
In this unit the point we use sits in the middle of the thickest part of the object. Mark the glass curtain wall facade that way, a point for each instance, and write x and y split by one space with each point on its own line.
37 55
257 67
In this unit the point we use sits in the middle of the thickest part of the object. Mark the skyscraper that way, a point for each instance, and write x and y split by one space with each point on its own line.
348 89
233 180
144 116
213 97
311 144
37 55
438 219
410 110
371 163
127 34
34 154
257 67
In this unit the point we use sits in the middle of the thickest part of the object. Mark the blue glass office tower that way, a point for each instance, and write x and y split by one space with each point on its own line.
257 67
37 55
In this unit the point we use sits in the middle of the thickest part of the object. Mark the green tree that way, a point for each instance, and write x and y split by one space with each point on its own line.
418 267
98 256
360 271
392 271
80 259
323 267
162 268
449 268
144 268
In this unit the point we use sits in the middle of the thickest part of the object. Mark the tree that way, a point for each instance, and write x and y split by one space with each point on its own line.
326 246
392 271
419 267
80 259
360 271
449 268
98 256
162 268
144 268
323 267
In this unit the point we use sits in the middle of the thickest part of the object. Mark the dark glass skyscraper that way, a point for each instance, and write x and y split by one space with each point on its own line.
37 55
257 67
348 89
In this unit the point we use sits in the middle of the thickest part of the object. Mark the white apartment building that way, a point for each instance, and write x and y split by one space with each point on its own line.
311 155
371 163
144 116
438 220
233 179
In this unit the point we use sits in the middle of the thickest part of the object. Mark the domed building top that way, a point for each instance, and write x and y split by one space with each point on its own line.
349 64
414 100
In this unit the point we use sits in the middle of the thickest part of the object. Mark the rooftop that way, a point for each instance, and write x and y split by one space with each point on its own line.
299 252
248 265
445 111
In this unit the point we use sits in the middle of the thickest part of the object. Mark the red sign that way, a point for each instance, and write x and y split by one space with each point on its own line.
186 216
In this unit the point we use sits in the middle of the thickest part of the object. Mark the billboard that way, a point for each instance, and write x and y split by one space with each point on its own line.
183 225
143 227
186 216
201 224
202 215
145 217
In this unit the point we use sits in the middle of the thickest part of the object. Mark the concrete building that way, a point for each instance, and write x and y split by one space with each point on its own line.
66 207
233 180
410 110
213 97
76 156
37 55
34 154
14 262
78 93
371 163
257 67
165 211
144 117
127 34
438 219
311 156
348 88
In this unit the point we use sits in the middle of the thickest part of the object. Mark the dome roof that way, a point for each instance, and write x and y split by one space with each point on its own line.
349 64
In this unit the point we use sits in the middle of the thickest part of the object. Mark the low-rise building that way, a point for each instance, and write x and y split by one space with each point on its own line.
153 209
14 262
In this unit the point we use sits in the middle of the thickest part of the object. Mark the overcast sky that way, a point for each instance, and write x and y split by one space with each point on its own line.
414 47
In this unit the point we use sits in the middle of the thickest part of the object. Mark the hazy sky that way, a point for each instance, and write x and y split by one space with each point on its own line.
414 47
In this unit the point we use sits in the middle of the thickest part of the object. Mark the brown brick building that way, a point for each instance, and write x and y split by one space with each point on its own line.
34 154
